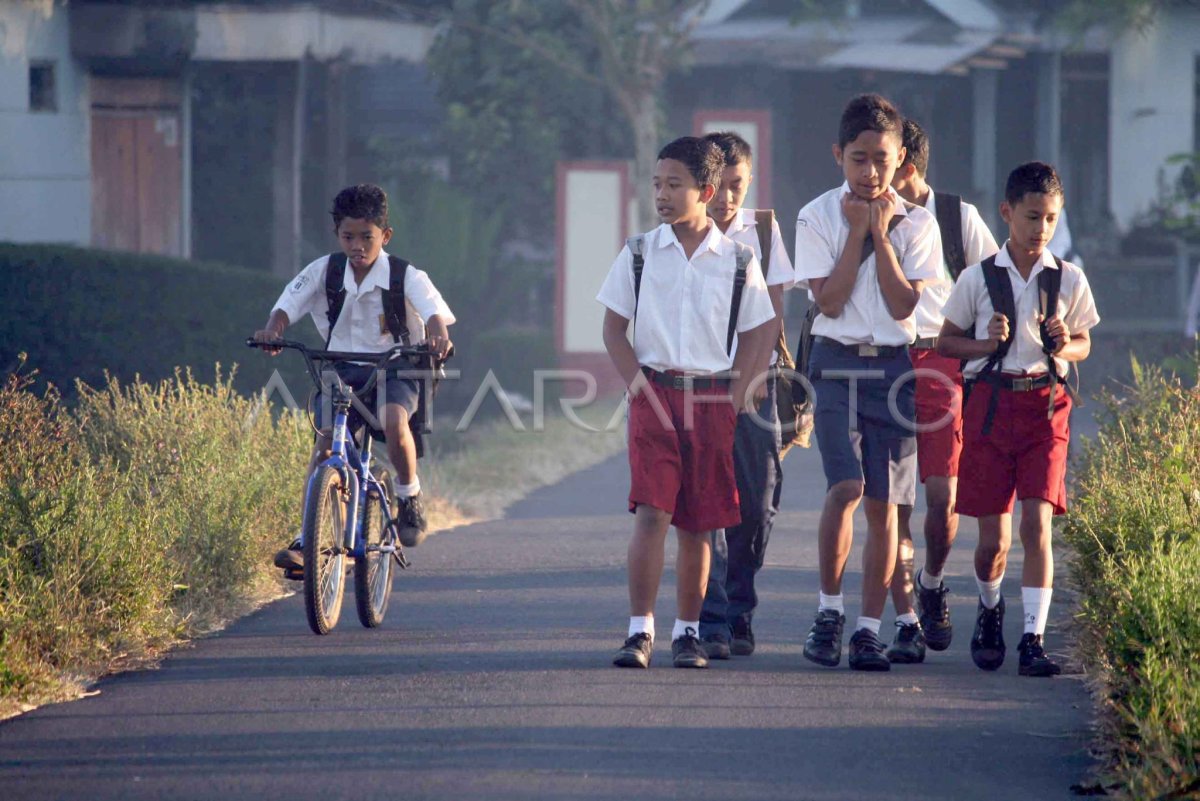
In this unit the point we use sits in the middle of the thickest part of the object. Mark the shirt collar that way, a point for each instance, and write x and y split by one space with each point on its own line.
898 207
1003 259
713 241
743 220
379 275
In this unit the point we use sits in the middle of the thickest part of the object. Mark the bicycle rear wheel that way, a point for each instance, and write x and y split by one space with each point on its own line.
373 572
324 561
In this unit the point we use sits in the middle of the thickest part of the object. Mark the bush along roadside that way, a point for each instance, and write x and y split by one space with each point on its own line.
1134 526
142 515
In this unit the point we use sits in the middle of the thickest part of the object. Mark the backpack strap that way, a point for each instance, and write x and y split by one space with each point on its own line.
1000 294
394 308
1049 286
948 210
869 242
335 291
635 245
743 255
764 223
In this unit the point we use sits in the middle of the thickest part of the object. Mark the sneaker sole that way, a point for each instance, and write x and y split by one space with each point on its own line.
901 658
716 651
741 648
871 666
987 659
935 641
286 563
822 661
693 662
625 661
1040 673
411 537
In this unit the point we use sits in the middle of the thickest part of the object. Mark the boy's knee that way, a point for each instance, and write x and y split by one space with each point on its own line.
939 497
845 493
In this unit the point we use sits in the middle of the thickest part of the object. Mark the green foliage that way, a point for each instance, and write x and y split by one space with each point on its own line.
142 515
1135 529
82 313
1118 16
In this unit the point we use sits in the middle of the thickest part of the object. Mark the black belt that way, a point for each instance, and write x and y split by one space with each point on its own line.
685 383
863 351
1016 383
925 343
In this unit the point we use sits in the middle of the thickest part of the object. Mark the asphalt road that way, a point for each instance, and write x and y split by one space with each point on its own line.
490 679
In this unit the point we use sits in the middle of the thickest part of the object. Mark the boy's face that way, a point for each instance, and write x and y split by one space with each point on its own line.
1031 221
676 193
870 162
361 241
728 199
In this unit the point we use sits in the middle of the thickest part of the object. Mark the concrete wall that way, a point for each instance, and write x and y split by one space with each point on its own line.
1153 97
45 183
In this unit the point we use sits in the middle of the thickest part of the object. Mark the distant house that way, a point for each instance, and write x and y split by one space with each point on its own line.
995 84
216 130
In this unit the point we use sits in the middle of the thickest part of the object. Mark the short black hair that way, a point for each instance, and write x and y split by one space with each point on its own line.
916 146
869 113
1035 177
734 148
703 158
362 202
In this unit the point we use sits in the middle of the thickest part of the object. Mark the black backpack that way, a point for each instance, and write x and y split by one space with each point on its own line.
949 219
1000 294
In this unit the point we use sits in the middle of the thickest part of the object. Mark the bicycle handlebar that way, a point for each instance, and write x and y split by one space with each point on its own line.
380 359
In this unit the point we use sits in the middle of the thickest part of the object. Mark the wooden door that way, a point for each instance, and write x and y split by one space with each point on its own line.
137 165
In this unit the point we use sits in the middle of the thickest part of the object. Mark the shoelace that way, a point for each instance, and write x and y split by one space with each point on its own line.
941 612
825 629
908 630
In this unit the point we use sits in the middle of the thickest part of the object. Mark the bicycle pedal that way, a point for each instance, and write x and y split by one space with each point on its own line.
401 559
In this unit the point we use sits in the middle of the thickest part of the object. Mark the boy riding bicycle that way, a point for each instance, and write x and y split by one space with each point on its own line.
380 300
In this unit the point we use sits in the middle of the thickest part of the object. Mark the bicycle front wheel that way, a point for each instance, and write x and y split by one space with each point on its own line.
324 558
373 572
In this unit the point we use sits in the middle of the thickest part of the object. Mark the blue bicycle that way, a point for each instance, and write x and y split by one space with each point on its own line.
348 507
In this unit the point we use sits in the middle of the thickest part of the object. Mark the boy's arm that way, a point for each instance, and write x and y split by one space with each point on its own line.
620 350
833 292
437 336
745 366
954 342
277 323
900 294
769 340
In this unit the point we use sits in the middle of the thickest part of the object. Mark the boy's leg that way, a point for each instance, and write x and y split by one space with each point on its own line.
902 575
399 400
714 614
1037 578
691 576
644 558
991 558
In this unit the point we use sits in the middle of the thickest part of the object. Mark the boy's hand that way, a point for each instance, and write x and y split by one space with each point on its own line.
1059 332
440 346
269 335
882 211
997 329
857 212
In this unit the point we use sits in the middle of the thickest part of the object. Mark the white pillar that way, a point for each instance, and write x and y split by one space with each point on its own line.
983 171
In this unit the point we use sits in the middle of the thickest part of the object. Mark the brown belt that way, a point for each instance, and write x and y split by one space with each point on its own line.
685 383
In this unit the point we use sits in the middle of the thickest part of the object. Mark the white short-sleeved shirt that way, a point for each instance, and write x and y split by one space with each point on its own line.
683 310
970 308
978 244
780 273
821 234
361 326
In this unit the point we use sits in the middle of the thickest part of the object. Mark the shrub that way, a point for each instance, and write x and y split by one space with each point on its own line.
1135 529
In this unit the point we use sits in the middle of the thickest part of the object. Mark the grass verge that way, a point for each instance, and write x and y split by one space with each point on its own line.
1134 527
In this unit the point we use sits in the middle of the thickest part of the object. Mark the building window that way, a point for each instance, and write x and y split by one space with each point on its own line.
42 93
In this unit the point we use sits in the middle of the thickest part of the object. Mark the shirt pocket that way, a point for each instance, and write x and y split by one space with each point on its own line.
716 298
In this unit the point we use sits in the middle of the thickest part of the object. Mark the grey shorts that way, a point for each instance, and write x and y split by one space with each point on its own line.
874 446
403 392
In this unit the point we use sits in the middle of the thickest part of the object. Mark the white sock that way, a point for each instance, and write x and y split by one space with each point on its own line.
989 591
871 624
682 626
642 625
908 619
1036 601
407 490
834 602
930 581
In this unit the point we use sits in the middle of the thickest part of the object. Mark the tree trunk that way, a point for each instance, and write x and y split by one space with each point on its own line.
645 124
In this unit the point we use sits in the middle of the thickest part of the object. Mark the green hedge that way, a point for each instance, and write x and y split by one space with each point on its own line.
78 312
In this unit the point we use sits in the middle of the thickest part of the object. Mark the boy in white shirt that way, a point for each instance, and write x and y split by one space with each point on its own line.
1016 424
865 254
360 221
965 240
738 551
687 289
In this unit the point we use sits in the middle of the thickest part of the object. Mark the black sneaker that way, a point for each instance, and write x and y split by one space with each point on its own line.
291 557
1032 660
743 639
410 514
935 615
987 643
866 652
824 642
716 646
908 646
635 653
687 652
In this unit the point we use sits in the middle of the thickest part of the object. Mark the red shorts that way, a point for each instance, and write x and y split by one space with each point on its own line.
1025 455
684 470
939 407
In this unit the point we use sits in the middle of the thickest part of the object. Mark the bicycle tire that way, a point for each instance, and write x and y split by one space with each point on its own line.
324 571
373 572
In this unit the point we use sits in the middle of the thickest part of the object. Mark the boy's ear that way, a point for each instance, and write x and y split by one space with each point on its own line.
707 193
837 154
902 154
387 234
1006 212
